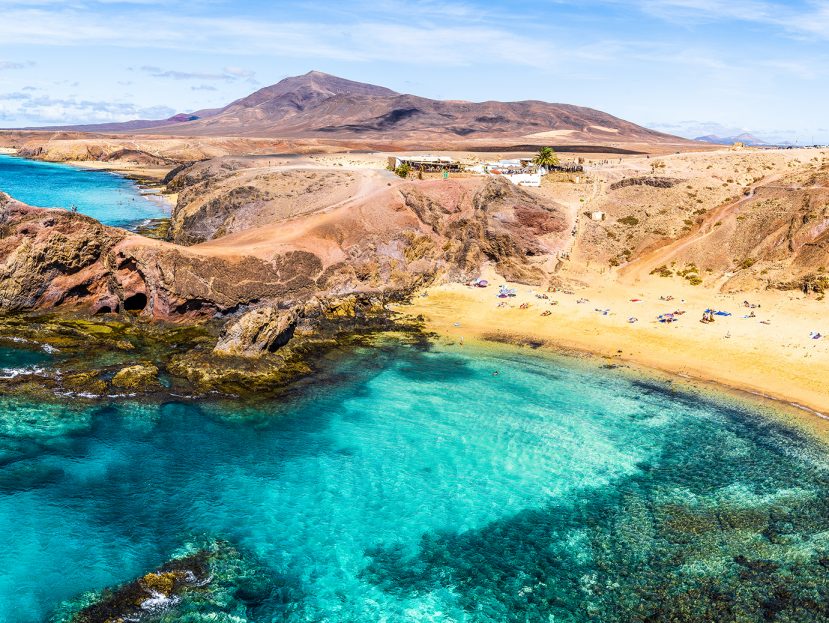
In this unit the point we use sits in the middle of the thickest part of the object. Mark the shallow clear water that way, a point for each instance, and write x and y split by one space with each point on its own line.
14 362
109 198
418 486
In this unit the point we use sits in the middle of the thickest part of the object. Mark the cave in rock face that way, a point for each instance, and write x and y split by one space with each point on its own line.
135 302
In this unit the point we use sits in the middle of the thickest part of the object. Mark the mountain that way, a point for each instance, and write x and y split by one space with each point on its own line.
129 126
319 105
745 138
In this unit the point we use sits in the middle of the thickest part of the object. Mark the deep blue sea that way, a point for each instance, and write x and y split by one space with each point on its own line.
422 486
109 198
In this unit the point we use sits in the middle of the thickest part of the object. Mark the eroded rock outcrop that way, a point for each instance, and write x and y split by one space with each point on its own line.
403 237
227 195
258 331
654 182
499 222
52 257
57 259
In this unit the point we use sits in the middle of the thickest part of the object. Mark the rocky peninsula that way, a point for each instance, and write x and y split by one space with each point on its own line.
266 268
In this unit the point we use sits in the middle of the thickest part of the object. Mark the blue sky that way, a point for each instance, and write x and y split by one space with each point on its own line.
689 67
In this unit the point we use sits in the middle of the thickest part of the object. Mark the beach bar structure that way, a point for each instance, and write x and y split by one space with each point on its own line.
427 163
521 172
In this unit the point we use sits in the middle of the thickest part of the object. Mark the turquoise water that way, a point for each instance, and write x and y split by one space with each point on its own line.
413 486
104 196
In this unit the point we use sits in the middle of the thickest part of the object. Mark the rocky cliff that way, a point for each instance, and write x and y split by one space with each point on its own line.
55 259
414 233
278 280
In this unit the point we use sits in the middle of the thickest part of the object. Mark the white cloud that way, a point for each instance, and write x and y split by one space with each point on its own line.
797 18
454 44
6 65
40 110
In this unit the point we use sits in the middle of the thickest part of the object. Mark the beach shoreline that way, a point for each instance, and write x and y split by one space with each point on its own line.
147 179
777 361
790 414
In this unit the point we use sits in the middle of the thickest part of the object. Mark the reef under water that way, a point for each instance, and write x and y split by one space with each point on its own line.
410 485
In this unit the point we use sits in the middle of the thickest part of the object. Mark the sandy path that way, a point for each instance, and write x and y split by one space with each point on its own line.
297 232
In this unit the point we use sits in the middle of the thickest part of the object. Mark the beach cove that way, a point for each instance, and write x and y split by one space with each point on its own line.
415 481
101 193
421 485
619 322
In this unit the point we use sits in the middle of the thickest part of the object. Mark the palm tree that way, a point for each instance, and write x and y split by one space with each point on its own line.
546 157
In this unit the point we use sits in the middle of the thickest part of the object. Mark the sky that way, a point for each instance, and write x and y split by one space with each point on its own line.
688 67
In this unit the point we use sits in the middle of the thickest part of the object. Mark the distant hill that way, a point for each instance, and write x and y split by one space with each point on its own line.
319 105
745 138
126 126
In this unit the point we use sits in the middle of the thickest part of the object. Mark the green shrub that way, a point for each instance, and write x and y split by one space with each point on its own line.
631 221
403 170
662 271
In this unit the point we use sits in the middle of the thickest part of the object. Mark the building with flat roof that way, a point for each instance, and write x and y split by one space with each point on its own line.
427 163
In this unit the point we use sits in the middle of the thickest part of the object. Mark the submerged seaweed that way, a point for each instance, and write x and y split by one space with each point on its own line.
709 530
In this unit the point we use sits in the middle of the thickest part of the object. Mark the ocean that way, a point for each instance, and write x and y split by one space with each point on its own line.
411 485
107 197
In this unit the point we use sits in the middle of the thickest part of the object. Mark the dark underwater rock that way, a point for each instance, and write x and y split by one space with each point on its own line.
215 581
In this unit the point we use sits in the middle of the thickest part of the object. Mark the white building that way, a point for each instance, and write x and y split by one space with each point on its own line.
533 180
426 163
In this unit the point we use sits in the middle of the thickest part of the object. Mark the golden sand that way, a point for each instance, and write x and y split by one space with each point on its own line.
779 360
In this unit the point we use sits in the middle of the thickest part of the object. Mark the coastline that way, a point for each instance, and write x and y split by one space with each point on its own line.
147 179
125 169
778 410
778 361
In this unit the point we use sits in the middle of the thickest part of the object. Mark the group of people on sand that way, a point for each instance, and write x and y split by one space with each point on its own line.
707 316
670 316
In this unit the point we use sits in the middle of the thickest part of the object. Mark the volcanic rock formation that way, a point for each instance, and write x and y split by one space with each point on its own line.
393 238
318 105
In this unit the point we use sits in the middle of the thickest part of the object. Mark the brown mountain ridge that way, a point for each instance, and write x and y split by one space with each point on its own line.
319 105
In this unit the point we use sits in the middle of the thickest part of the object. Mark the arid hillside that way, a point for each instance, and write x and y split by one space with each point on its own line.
250 229
729 219
324 107
279 234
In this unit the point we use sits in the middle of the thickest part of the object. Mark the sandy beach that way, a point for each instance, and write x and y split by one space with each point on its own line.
121 167
772 353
